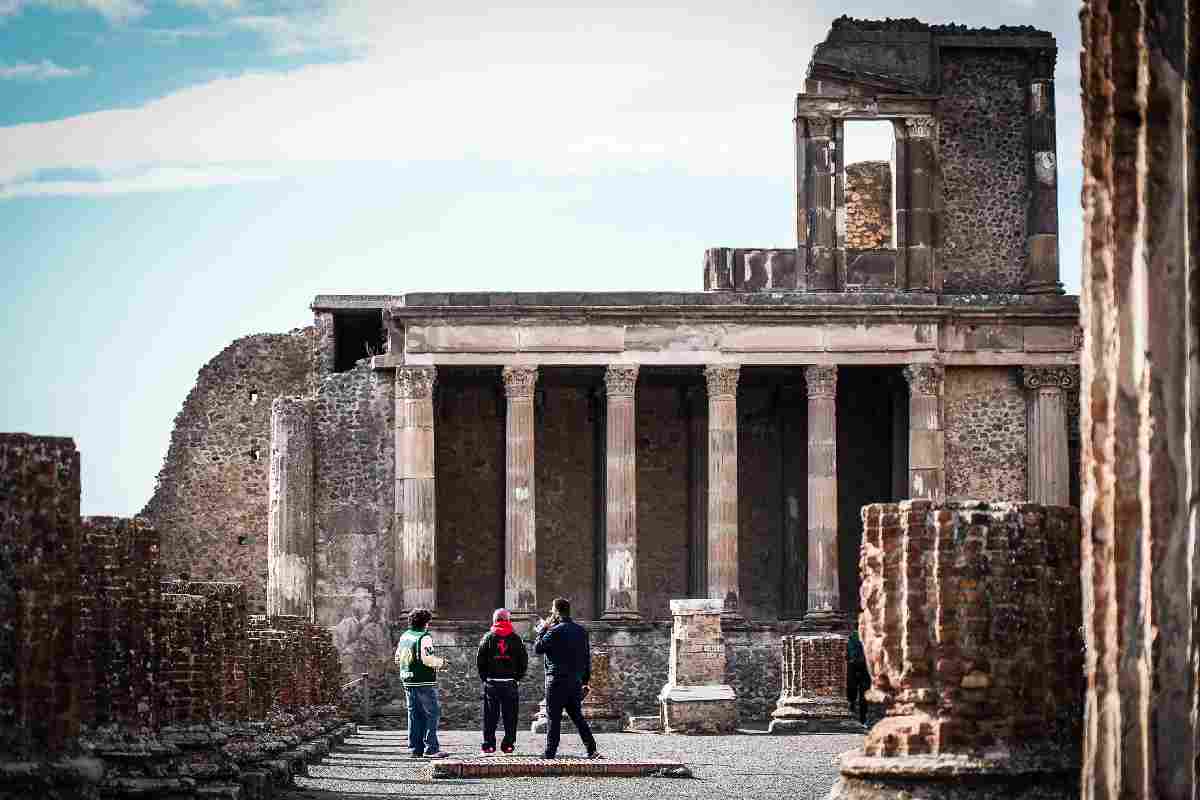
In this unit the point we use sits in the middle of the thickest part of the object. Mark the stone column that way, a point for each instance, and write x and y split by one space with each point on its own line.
620 517
813 694
1041 265
723 485
290 540
822 209
1048 478
919 258
926 439
697 492
416 506
520 529
823 592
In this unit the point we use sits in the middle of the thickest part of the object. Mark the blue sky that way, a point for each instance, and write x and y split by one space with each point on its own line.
176 174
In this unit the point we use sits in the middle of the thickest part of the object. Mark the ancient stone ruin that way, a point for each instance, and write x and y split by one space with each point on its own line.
466 451
115 682
813 697
696 698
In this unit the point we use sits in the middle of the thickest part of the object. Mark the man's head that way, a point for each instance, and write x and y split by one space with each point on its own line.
362 599
418 618
501 615
562 607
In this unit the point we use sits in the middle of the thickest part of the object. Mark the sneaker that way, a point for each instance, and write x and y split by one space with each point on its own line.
487 749
506 749
436 754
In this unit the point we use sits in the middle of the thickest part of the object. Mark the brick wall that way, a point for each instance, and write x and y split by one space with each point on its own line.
225 610
190 678
971 624
43 671
662 494
868 205
985 419
210 501
814 665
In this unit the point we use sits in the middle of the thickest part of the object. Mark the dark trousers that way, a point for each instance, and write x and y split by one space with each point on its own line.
500 701
857 683
566 695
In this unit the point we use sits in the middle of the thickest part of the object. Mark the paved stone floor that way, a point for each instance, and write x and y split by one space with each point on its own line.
748 765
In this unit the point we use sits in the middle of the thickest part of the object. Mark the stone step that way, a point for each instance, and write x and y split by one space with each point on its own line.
646 724
516 766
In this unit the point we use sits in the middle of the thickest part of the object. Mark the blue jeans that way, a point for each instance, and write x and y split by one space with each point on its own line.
423 714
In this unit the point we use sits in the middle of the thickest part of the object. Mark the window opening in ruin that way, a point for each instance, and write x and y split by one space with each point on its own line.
253 396
868 168
356 335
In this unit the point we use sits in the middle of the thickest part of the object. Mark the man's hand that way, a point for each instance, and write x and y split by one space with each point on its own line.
585 691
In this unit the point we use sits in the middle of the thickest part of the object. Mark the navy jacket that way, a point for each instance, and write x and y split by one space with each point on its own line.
565 650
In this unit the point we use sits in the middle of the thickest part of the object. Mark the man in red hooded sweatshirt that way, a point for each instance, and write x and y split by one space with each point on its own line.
502 662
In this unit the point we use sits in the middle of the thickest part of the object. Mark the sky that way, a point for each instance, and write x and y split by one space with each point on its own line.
176 174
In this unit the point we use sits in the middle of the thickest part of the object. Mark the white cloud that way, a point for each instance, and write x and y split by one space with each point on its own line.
113 10
158 179
40 71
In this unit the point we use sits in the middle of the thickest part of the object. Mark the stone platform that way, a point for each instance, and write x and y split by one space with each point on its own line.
564 766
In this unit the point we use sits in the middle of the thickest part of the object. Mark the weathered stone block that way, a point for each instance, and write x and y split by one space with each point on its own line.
696 698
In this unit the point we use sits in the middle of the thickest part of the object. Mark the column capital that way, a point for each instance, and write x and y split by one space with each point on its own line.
519 381
1056 377
820 127
620 380
722 379
920 127
926 379
821 381
415 383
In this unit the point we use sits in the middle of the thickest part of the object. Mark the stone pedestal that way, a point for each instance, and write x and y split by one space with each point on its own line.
971 625
696 698
813 698
600 708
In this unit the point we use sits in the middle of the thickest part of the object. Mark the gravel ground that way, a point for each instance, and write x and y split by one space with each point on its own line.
751 764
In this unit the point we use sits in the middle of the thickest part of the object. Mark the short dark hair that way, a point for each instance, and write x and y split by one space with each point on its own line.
418 618
562 606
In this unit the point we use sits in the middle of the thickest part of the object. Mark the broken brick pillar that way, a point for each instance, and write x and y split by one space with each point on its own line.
600 708
813 696
971 626
620 518
46 675
520 534
696 697
416 500
290 533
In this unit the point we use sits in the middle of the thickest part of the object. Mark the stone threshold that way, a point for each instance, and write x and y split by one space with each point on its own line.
534 767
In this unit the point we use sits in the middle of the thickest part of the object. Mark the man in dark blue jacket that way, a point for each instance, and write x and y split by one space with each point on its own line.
563 644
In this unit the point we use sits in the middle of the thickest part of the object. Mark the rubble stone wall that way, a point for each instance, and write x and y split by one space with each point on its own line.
985 424
868 205
43 671
210 502
983 154
971 626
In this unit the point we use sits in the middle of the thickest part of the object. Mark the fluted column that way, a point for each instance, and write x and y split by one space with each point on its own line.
823 590
520 528
416 508
620 519
1048 479
1041 265
926 437
723 485
290 554
821 172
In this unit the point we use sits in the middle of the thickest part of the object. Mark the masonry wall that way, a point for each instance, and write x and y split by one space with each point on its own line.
353 508
469 437
662 494
985 424
760 494
868 205
569 420
210 501
983 154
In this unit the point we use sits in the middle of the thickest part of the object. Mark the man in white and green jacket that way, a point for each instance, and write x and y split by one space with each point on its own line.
418 670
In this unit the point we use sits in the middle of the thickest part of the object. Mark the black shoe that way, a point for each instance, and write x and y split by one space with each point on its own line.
549 755
506 748
594 754
487 749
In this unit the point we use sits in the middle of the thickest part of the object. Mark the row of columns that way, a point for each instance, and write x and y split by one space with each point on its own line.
415 498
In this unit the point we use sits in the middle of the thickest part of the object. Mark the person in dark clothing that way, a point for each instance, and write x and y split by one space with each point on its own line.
502 661
563 644
858 677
